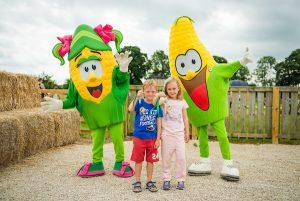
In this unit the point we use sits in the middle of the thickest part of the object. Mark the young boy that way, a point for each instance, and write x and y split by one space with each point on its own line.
147 124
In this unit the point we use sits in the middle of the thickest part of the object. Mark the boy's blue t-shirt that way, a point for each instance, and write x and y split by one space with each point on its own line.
145 123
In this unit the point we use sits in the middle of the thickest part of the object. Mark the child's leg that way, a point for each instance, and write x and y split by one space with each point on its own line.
98 136
167 150
220 129
149 171
151 157
180 166
203 141
138 171
138 155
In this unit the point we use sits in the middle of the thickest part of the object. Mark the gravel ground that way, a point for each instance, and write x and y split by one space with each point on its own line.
268 172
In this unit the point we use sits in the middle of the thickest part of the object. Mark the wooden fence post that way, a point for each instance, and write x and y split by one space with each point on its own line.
275 115
194 132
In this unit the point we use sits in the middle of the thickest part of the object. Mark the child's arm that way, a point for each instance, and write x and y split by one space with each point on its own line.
133 103
157 142
186 126
159 98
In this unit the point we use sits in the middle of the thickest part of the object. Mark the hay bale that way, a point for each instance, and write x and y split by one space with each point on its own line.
18 91
67 126
28 94
39 132
7 81
26 132
11 139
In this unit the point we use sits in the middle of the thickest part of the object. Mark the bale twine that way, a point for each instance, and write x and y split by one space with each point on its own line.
11 139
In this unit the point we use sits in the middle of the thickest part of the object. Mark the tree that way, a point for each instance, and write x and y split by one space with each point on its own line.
65 85
242 74
288 71
48 82
139 66
159 65
264 73
219 59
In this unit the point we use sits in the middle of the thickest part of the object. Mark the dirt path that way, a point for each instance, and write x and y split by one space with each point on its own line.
268 172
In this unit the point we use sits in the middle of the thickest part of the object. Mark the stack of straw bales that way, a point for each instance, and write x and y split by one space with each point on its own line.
24 128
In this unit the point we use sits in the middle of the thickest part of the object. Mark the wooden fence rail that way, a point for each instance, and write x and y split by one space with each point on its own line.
254 112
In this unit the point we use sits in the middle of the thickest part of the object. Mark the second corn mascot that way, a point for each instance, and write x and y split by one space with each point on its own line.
205 85
98 88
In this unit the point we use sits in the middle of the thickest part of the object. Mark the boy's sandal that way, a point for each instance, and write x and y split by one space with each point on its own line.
151 186
137 187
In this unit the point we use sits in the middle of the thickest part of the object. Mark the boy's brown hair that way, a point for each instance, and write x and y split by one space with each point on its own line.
168 81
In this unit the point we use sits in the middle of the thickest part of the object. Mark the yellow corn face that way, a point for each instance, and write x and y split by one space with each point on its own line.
108 62
183 37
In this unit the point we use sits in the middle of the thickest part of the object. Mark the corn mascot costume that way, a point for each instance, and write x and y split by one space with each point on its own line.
98 89
205 85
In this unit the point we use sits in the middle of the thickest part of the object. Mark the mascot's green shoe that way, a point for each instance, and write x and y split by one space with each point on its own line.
123 169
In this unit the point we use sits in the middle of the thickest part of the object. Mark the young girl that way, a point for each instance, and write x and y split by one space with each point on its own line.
175 132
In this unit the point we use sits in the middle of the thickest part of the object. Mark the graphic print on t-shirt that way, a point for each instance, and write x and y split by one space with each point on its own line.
173 115
145 123
148 118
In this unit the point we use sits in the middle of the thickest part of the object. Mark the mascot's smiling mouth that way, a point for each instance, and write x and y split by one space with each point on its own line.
197 89
95 91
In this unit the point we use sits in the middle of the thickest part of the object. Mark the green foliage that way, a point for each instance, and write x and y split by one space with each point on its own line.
65 85
48 82
139 66
264 72
288 71
242 74
159 65
219 59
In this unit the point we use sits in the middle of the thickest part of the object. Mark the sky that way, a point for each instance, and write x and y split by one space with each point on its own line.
28 29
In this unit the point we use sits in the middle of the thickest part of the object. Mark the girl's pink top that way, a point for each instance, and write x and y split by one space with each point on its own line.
172 121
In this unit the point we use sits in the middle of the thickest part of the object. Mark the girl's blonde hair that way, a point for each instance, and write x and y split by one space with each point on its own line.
168 81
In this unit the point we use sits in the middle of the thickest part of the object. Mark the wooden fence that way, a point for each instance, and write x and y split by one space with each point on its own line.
254 112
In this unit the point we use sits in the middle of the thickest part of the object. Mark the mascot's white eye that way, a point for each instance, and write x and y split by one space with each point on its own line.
193 60
88 67
95 66
181 65
210 70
